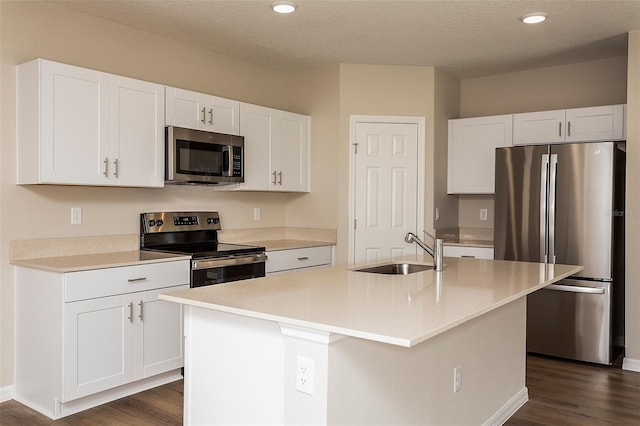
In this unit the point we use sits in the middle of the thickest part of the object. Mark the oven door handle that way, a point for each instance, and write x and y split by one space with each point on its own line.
197 264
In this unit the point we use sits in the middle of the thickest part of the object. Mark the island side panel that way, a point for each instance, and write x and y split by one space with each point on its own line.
379 384
234 369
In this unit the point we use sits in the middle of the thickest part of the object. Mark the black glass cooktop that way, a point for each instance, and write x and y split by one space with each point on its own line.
209 250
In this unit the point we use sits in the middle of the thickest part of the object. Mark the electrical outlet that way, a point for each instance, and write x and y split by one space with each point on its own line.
304 375
256 213
483 214
457 379
76 215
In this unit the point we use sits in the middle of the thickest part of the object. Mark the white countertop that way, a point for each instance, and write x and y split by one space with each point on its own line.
98 261
400 310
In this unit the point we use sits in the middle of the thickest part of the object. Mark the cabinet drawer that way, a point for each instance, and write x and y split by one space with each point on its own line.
465 251
282 260
127 279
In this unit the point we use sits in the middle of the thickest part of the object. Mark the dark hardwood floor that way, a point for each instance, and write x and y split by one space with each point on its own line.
560 393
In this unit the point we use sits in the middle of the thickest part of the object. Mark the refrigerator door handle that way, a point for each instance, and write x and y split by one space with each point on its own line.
575 289
552 207
544 167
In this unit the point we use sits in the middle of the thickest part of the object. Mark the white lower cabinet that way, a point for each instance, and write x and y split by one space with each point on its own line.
110 341
300 258
89 337
468 251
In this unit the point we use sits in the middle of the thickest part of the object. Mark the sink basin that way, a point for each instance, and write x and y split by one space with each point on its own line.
395 269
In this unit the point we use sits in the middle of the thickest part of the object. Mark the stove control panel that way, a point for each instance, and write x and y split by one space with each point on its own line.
178 221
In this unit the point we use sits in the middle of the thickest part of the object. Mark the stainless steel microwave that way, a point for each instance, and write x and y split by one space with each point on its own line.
199 157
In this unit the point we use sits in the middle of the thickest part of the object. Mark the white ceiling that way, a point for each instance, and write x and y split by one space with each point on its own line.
467 38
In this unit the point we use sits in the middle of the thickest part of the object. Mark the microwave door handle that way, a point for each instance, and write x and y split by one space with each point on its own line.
226 160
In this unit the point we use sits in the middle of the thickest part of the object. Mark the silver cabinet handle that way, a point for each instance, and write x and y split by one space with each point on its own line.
274 177
568 128
106 167
303 258
211 116
130 317
136 280
203 114
280 178
140 304
116 166
560 129
468 256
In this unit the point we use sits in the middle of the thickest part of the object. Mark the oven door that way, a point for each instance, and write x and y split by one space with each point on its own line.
223 270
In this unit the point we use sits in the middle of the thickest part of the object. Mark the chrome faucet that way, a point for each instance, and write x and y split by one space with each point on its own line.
435 253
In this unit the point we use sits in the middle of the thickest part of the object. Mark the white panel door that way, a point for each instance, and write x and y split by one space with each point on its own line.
256 125
136 133
98 344
293 139
159 341
183 109
539 127
386 184
75 140
595 123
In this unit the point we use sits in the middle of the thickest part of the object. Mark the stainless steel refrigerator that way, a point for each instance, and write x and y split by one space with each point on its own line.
565 204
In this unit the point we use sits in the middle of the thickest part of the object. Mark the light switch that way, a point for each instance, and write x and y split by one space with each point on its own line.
76 215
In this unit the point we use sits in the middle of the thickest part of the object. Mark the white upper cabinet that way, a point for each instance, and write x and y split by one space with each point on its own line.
276 147
601 123
200 111
471 146
77 126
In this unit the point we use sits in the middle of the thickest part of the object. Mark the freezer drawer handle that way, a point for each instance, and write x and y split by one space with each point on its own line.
575 289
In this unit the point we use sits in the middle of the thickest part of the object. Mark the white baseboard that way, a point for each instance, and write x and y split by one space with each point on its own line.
631 364
501 416
6 393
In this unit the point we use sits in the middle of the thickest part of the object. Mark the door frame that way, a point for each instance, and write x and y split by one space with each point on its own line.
354 120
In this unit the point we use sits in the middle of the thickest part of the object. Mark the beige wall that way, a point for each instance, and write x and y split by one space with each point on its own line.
601 82
317 93
446 106
383 90
632 278
34 29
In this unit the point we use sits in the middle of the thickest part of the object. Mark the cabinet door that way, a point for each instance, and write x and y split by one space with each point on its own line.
292 153
136 133
471 160
256 125
159 342
183 109
98 344
539 127
74 140
600 123
222 115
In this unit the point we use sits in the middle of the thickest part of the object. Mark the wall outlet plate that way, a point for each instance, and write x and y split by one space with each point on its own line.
304 375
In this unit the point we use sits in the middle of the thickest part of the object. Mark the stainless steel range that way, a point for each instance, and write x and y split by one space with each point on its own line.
196 234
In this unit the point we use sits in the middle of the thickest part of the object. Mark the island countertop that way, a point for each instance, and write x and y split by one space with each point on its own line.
401 310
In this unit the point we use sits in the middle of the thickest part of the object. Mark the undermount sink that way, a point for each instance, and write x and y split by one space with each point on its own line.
395 268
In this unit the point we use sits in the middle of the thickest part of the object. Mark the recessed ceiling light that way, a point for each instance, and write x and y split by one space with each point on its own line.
534 18
283 7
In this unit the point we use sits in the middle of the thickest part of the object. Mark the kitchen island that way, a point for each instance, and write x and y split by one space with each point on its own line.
337 346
